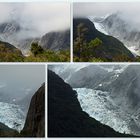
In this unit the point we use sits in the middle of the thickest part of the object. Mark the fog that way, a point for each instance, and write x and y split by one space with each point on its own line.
18 81
36 19
128 10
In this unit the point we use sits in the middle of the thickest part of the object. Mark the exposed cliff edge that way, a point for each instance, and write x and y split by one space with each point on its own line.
35 120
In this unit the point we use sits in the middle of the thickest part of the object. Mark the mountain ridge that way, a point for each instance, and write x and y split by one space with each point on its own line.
111 49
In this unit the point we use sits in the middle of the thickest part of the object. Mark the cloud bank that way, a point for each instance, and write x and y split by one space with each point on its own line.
36 19
129 10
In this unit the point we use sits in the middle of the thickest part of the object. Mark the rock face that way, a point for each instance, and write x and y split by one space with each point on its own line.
111 47
56 40
65 116
5 131
35 121
12 32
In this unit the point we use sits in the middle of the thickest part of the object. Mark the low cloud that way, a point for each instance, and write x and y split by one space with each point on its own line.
36 19
129 10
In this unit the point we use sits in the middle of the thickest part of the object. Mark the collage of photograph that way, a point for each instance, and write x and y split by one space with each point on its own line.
69 69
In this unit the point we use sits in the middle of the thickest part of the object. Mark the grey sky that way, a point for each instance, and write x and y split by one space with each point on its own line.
129 10
40 18
17 80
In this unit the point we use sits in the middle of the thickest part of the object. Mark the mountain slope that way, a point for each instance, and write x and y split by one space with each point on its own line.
56 40
111 49
116 25
12 32
9 53
65 116
35 120
104 89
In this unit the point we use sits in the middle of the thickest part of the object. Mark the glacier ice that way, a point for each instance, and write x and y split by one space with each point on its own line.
99 106
12 116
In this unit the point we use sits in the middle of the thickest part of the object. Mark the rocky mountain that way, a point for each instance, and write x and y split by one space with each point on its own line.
107 89
76 77
12 32
56 40
9 33
9 27
35 120
117 26
110 49
65 115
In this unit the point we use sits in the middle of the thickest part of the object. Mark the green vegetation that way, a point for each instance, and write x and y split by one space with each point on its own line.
36 49
40 55
8 54
90 45
83 51
37 54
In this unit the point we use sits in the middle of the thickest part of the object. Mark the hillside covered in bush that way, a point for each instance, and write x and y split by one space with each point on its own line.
9 53
90 45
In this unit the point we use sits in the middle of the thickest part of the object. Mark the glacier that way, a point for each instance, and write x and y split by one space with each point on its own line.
98 25
99 105
12 116
107 100
123 33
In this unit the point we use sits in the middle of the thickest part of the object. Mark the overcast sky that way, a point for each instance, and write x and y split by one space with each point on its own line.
40 18
18 80
129 10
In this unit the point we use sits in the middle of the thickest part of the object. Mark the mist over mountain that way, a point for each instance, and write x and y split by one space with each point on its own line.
32 23
107 89
38 18
114 19
101 9
56 40
120 28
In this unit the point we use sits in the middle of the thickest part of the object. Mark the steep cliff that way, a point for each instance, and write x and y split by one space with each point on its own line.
35 121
